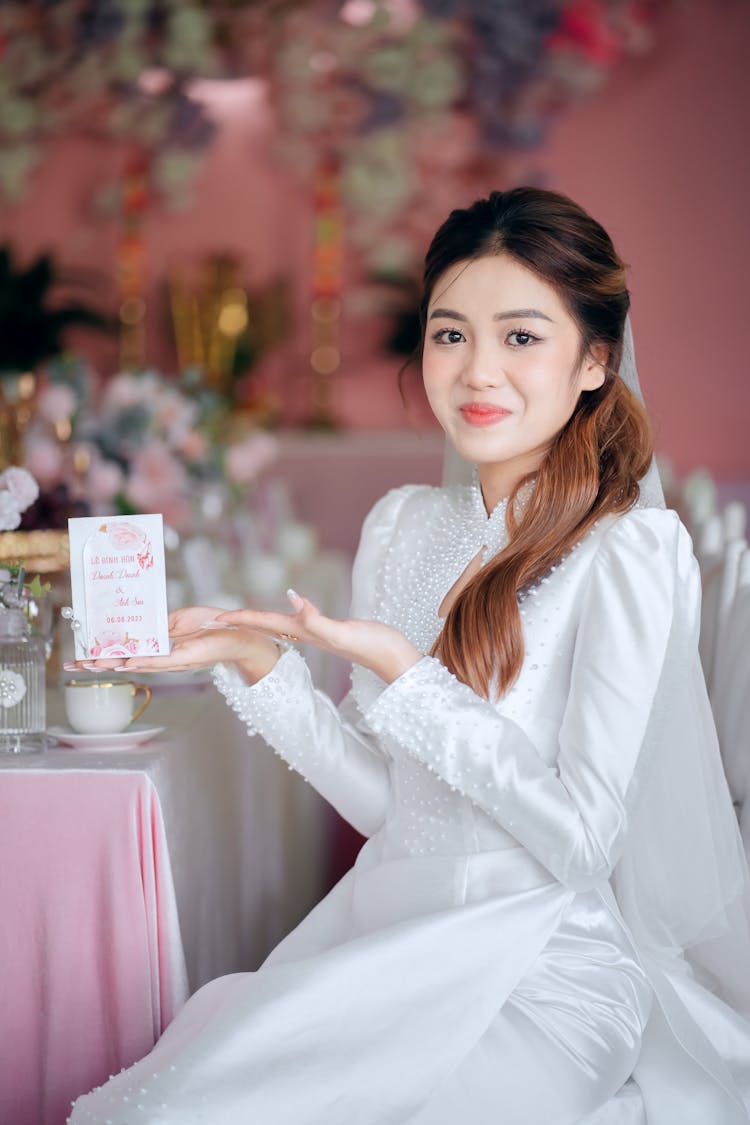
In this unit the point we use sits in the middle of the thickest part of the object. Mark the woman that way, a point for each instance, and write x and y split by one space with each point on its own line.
527 746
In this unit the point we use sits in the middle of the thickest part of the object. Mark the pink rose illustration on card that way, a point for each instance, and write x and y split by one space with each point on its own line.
119 586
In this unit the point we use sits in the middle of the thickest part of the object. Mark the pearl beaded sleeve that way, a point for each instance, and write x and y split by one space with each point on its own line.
322 743
571 816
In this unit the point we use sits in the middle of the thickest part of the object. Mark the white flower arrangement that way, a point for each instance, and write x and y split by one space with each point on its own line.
18 491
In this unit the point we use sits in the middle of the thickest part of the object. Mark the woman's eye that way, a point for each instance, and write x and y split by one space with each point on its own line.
448 336
520 339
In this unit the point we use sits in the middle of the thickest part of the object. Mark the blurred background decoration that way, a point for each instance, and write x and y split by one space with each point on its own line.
222 329
383 111
143 442
245 189
31 331
396 91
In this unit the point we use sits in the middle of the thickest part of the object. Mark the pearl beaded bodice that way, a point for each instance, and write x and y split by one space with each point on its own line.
424 764
440 532
434 537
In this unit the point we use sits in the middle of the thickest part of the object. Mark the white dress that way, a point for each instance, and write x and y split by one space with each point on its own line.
475 964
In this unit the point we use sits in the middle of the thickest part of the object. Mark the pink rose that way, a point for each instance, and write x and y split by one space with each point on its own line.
176 513
56 403
122 392
105 479
248 459
44 458
124 535
111 643
156 478
193 445
174 414
21 485
114 643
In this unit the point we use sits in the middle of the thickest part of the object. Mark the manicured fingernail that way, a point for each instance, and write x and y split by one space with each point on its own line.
294 598
217 625
123 668
90 667
70 667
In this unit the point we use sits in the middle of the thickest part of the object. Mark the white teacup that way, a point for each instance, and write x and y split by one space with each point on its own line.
95 707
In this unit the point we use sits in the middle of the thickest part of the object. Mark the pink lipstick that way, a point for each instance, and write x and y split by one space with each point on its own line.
482 413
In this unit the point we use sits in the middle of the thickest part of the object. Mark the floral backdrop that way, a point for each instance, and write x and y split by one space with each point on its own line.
402 94
384 110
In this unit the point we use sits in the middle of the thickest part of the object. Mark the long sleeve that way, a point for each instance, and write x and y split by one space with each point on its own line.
327 745
572 815
314 737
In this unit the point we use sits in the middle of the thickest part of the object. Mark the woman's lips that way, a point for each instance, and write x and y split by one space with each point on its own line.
482 413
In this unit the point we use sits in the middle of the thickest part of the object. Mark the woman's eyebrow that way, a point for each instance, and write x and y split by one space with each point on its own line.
514 314
446 314
511 314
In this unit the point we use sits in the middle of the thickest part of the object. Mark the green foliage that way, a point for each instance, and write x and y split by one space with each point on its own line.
39 588
36 587
31 331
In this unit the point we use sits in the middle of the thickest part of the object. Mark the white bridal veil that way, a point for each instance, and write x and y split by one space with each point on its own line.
682 880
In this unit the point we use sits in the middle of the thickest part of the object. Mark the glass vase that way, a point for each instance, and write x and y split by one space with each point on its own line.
23 710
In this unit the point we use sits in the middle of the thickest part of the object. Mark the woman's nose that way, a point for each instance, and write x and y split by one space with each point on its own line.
483 369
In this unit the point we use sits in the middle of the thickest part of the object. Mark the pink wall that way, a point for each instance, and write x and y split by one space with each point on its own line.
662 160
660 157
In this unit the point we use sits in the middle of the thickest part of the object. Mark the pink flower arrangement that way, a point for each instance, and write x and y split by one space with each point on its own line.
248 459
44 458
156 477
144 444
105 479
57 402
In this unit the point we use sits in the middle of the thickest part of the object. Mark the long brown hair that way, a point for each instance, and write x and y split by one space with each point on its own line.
593 465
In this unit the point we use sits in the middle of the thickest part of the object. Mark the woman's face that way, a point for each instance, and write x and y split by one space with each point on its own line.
500 367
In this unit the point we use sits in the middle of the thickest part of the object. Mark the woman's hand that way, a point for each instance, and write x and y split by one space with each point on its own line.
203 635
372 644
194 644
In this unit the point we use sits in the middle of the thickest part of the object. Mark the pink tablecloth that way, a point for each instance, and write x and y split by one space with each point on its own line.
91 958
117 870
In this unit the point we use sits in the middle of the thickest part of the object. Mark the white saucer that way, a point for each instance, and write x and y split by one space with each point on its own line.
124 740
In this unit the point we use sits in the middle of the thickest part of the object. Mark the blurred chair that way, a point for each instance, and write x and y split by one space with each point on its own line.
719 540
730 689
697 500
709 550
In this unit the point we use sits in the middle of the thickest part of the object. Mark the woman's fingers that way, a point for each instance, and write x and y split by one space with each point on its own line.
91 665
308 625
263 621
190 618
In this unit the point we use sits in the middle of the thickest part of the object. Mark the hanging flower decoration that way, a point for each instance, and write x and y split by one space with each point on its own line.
415 101
368 82
120 69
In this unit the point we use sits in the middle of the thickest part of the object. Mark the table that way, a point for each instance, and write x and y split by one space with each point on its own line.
128 880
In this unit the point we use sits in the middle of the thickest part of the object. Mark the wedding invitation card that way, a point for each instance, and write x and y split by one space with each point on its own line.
119 586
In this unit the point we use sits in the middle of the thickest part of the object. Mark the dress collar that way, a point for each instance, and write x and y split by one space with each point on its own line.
494 532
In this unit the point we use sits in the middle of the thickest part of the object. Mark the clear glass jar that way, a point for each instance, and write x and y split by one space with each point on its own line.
23 703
